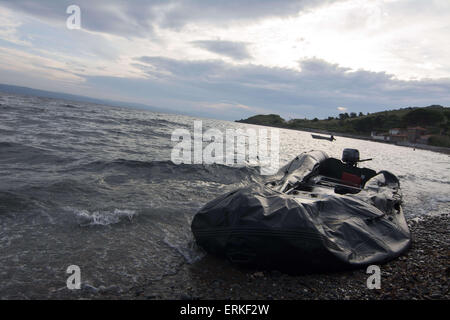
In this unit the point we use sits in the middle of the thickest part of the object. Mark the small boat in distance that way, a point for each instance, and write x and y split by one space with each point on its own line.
316 136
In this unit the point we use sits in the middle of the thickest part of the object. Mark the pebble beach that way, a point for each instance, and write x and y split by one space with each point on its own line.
421 274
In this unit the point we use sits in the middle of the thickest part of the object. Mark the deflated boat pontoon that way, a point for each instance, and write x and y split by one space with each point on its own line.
316 214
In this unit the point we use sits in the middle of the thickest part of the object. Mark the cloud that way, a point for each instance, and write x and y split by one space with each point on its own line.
172 53
113 17
342 108
230 49
23 62
231 11
8 29
138 18
315 91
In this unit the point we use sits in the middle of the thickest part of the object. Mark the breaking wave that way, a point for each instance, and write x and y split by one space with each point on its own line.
103 218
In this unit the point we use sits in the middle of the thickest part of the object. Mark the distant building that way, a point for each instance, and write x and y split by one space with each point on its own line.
424 139
379 136
414 133
398 137
395 131
411 135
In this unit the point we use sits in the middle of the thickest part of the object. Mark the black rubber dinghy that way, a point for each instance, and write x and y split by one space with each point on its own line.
316 214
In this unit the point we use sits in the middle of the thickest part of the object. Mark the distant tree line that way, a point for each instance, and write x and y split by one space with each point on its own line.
435 119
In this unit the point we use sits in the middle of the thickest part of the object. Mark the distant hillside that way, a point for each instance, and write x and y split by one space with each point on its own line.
271 120
435 118
64 96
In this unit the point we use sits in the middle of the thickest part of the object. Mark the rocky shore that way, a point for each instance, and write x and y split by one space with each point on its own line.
422 273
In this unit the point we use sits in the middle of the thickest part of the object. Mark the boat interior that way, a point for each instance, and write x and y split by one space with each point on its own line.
333 173
344 176
348 174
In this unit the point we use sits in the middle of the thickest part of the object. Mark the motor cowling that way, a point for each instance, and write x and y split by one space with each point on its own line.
350 156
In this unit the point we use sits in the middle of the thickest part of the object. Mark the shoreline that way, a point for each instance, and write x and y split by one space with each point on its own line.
437 149
421 273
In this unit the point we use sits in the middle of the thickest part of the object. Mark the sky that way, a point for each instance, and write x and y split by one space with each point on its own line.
231 59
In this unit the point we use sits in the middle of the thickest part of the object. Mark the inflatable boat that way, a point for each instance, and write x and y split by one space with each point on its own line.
316 214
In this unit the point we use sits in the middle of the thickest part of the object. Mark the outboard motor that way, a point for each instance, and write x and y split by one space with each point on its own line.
350 157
